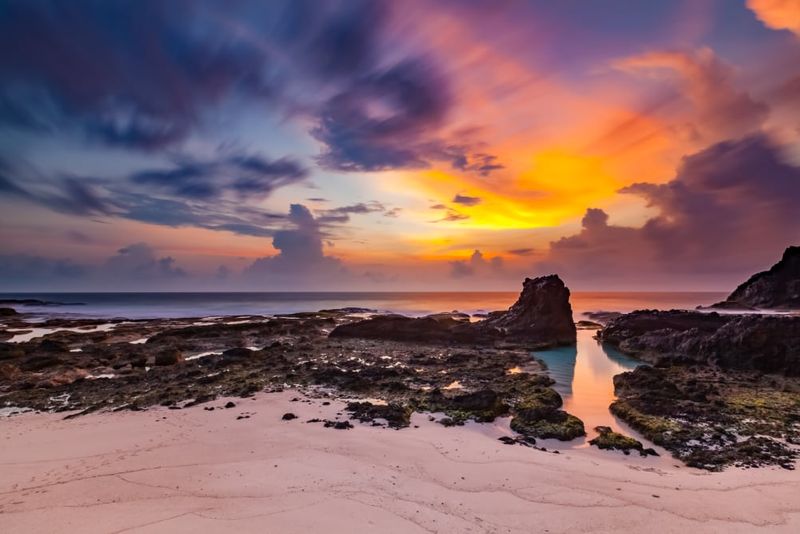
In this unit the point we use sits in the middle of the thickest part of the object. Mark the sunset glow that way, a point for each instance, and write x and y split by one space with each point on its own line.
409 136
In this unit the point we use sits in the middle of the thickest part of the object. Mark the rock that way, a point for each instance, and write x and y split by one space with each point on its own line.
558 425
542 314
49 345
541 317
610 440
601 316
397 328
169 357
711 418
8 312
482 406
338 425
770 344
10 351
288 416
230 404
538 415
38 362
395 415
777 288
237 354
349 310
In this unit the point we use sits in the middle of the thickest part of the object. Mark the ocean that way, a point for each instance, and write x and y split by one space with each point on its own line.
173 305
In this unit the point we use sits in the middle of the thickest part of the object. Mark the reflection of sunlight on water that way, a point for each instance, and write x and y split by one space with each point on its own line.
584 378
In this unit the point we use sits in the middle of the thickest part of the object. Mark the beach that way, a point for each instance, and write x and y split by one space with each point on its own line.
198 470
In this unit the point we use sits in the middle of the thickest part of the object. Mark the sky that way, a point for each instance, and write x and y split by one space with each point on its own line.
315 145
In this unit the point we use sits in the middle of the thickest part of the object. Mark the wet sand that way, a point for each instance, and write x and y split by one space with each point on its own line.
194 470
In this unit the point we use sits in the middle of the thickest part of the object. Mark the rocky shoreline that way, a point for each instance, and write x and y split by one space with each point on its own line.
719 390
132 365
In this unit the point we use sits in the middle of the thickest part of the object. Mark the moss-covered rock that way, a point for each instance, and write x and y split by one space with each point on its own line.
482 406
557 425
711 418
607 439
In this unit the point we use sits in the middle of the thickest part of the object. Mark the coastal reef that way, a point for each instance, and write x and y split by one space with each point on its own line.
540 318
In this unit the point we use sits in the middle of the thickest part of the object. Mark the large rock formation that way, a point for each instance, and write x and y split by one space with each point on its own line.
769 344
777 288
542 312
541 317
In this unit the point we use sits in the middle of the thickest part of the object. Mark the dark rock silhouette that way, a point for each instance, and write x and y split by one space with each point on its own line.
542 312
541 317
777 288
765 343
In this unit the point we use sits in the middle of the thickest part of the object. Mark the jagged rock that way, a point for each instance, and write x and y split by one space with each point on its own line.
542 313
777 288
769 344
541 317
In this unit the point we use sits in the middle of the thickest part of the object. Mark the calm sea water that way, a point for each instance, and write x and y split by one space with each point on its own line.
155 305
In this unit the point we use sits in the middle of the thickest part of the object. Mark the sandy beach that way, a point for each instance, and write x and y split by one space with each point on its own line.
195 470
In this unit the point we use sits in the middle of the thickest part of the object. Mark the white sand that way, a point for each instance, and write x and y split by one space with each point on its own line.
198 471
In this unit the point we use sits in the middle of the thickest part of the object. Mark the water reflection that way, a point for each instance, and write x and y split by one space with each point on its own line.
584 378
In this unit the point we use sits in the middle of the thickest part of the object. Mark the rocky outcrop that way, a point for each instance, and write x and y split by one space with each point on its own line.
541 317
769 344
777 288
542 312
711 418
398 328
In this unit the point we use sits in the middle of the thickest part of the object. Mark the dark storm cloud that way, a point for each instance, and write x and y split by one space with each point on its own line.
127 73
381 121
70 195
342 214
147 75
731 208
246 176
465 200
211 194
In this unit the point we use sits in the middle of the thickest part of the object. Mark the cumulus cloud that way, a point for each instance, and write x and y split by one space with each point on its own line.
721 109
136 266
777 14
477 264
139 263
731 208
300 253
